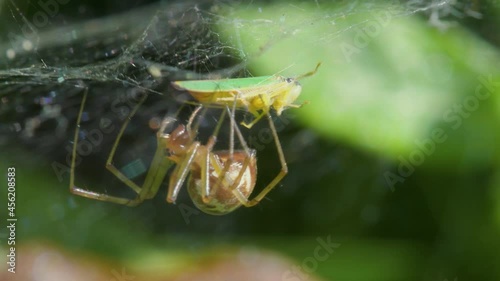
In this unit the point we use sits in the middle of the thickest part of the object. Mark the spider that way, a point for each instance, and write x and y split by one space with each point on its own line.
219 181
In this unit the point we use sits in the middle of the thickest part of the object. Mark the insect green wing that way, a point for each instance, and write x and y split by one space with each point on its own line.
211 86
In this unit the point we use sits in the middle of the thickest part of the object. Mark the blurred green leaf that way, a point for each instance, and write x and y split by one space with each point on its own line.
387 81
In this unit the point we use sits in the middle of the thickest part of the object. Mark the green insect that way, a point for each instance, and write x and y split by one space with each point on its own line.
256 95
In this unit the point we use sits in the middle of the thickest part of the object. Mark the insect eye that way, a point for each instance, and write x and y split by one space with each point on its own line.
289 80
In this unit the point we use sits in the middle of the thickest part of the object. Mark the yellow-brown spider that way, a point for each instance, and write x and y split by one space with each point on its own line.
218 183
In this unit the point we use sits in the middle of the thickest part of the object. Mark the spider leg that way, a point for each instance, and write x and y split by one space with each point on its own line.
154 178
233 127
276 180
181 171
109 162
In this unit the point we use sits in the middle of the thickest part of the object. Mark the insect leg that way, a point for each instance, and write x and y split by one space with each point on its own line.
265 110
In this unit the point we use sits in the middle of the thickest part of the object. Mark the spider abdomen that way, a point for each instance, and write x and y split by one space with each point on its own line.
222 199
